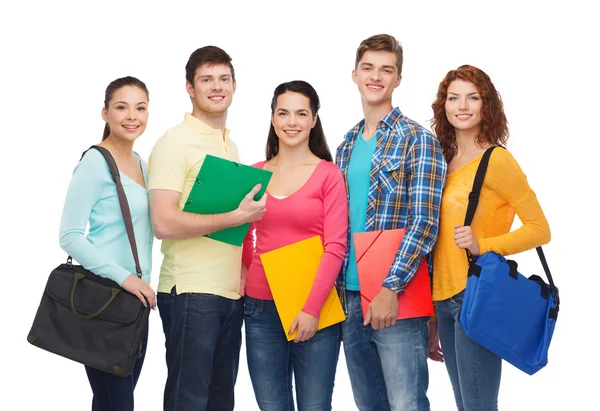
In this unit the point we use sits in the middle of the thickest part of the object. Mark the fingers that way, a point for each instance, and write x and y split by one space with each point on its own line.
149 296
293 326
253 192
368 316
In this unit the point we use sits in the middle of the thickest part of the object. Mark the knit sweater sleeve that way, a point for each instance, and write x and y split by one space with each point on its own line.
507 179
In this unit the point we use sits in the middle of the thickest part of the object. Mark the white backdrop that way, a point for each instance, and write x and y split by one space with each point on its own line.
58 57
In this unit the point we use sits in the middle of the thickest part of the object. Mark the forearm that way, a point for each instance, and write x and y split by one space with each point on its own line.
329 268
91 258
175 224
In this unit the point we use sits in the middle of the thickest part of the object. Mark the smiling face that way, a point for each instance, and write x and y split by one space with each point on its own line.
213 88
376 76
127 113
293 119
463 106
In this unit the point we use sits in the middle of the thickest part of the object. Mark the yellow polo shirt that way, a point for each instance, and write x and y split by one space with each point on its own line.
200 264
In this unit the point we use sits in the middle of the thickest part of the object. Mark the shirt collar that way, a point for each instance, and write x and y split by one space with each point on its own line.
203 128
389 120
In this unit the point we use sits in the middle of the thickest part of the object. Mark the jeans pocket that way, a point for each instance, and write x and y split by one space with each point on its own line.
250 308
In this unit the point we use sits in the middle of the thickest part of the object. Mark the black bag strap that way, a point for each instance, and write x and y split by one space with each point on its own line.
474 200
114 171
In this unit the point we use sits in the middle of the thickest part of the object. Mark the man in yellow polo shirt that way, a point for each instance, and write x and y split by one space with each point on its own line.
199 287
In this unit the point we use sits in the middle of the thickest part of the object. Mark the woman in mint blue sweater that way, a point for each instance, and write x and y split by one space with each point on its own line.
105 250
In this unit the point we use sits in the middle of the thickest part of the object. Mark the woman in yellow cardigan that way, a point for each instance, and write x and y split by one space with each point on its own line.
468 119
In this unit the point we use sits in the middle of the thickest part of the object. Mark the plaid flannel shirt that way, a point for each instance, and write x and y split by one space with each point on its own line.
408 172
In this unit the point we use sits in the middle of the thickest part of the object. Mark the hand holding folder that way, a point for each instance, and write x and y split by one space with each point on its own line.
291 272
375 254
220 187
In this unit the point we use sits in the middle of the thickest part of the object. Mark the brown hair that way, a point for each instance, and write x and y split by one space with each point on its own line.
381 42
112 88
316 139
494 126
207 55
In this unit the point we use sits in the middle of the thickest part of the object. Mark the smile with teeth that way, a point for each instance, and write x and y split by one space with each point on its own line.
291 133
374 87
216 98
131 128
463 116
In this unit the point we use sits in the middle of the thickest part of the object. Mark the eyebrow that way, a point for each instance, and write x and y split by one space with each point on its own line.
372 65
470 94
297 111
124 102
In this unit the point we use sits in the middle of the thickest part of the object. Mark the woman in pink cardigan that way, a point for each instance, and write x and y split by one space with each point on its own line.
306 197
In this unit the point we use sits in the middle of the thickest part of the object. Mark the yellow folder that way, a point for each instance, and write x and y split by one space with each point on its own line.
291 272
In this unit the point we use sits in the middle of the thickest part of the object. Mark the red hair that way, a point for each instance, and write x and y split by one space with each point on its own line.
494 127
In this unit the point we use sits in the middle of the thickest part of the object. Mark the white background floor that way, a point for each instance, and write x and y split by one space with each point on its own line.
58 57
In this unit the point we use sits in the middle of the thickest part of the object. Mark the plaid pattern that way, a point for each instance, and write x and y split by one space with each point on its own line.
408 172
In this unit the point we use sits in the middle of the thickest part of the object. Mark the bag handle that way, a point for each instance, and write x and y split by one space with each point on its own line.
113 294
114 171
474 200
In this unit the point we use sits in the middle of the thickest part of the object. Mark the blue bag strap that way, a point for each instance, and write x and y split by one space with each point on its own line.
474 200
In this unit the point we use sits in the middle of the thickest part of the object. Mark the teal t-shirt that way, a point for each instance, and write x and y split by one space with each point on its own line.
359 179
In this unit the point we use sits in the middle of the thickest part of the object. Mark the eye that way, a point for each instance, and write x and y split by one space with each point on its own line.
226 79
120 107
141 108
204 80
387 71
452 98
475 98
282 114
366 68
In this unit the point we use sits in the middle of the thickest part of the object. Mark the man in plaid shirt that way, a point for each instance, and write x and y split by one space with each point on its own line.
395 172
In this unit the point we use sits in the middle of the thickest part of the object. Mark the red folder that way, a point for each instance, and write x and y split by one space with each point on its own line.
375 254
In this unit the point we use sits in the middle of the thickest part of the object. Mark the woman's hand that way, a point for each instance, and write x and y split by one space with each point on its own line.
464 238
141 290
306 325
434 348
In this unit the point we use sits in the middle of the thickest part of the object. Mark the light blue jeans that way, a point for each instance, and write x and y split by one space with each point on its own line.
474 371
272 360
388 367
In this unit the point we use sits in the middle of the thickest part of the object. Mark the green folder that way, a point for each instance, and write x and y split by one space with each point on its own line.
220 187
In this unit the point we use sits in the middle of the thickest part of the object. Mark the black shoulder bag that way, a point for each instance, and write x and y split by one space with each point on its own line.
91 319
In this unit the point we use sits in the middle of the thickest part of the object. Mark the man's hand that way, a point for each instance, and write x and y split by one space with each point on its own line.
243 276
307 327
383 310
250 210
434 348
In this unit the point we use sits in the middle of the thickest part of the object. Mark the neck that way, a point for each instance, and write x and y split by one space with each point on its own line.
293 155
119 148
214 120
466 141
373 115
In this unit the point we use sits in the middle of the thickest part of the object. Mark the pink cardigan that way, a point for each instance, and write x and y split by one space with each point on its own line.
319 207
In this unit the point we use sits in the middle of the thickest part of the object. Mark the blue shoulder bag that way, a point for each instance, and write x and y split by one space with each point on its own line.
509 314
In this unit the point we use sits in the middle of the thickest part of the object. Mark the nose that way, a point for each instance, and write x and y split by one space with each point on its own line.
464 104
131 114
376 74
292 120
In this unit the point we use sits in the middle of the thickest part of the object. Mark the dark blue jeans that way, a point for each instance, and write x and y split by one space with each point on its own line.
112 392
203 335
272 360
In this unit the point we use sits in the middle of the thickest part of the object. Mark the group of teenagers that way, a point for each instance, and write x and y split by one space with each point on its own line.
388 173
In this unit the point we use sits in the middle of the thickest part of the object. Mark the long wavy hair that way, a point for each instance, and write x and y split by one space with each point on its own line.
316 140
494 127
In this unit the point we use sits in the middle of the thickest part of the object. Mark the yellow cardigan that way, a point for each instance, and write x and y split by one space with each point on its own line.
505 192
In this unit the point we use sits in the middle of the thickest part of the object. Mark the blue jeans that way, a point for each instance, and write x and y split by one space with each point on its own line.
112 392
272 360
474 371
203 334
388 367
